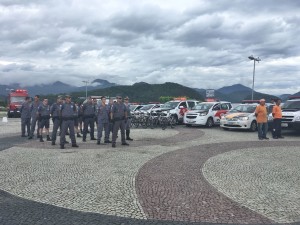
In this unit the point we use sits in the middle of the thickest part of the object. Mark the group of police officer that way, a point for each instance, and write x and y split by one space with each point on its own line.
68 116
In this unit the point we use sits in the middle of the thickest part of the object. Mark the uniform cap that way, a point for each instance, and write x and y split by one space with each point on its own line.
262 100
68 96
118 95
126 98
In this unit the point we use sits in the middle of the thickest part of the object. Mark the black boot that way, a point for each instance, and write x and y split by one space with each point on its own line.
48 138
127 135
41 138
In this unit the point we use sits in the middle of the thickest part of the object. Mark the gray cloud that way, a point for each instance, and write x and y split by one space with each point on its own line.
203 44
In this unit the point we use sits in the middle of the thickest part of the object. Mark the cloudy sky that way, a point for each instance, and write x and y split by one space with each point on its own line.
197 43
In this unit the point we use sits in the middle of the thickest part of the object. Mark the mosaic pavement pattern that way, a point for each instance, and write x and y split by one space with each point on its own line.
176 176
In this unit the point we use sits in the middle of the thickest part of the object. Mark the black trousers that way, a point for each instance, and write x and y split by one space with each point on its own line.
86 123
277 127
56 125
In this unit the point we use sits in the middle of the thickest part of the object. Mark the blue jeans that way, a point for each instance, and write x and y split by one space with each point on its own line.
262 130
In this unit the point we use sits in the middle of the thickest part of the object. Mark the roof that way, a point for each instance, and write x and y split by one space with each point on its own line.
294 97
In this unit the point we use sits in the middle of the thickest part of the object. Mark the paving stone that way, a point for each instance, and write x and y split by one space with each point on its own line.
156 180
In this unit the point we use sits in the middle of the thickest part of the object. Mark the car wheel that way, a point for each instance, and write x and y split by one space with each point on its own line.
209 122
188 125
224 128
173 122
176 119
253 126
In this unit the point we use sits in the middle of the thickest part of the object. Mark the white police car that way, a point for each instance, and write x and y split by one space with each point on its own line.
206 113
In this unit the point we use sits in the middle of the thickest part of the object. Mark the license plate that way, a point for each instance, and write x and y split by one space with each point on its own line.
231 123
190 121
284 124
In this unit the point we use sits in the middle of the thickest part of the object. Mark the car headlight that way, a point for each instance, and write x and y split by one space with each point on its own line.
203 114
244 118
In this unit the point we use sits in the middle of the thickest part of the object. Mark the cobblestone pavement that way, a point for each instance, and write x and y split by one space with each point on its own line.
175 176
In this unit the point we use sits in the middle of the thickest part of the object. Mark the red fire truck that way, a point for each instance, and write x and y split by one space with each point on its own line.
15 100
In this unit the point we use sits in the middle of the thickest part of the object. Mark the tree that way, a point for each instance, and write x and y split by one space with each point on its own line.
164 99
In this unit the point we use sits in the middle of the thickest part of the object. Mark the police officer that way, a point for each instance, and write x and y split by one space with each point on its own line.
80 116
54 111
128 123
103 111
25 116
67 116
110 126
95 103
89 112
118 115
34 107
43 115
76 119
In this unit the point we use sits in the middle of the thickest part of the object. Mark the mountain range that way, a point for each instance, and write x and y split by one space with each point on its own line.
237 93
142 92
56 87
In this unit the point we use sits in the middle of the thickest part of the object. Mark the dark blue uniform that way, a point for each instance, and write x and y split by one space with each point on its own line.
118 111
25 118
128 122
44 116
55 111
67 117
103 122
89 112
34 120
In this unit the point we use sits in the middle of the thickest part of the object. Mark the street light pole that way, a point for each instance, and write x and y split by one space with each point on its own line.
254 60
86 83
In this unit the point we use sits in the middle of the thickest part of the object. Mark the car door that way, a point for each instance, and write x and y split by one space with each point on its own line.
224 107
216 113
182 107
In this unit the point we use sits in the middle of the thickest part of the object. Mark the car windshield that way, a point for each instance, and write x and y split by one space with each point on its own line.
244 108
132 107
291 105
17 99
203 106
146 107
171 105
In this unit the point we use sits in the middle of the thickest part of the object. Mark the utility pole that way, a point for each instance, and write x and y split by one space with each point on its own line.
255 60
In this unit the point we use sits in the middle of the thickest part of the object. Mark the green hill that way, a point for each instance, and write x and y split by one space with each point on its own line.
144 92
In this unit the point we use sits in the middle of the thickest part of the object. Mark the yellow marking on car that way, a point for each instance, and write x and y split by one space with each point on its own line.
230 116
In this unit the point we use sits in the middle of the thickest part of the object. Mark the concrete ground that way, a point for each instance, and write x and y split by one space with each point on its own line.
175 176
